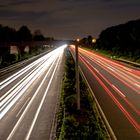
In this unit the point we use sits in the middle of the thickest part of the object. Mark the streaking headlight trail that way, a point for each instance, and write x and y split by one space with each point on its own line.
38 68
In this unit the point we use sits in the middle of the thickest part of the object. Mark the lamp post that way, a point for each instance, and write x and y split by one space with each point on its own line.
77 75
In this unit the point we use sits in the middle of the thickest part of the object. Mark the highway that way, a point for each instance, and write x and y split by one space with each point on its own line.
116 87
29 97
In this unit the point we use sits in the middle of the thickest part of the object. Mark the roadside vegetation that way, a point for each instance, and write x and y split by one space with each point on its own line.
119 42
10 59
24 34
73 124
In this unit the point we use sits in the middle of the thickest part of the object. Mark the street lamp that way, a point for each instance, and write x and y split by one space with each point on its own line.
77 75
78 40
93 40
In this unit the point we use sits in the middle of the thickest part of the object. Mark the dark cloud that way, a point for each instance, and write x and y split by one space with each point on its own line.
68 18
8 3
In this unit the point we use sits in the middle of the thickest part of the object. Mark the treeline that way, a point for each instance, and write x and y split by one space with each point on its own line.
122 40
8 34
23 34
87 41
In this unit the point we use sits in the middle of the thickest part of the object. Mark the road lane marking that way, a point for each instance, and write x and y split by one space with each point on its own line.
15 76
27 107
9 101
22 71
110 68
116 101
42 101
96 70
22 107
32 99
118 91
89 64
107 125
119 70
127 69
137 85
21 81
126 100
122 80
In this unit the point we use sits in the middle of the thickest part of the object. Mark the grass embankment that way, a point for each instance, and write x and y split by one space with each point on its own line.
109 54
73 124
123 59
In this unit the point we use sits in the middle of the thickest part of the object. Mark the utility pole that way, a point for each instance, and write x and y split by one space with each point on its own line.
77 75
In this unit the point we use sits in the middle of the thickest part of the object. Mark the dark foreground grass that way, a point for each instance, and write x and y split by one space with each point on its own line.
73 124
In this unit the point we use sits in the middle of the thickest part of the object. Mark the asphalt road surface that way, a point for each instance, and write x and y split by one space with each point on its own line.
117 88
29 99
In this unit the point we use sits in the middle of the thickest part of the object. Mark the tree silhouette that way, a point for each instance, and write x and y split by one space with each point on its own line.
121 40
24 34
38 36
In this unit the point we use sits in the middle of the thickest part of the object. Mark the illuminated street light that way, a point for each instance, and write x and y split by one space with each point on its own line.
93 40
77 39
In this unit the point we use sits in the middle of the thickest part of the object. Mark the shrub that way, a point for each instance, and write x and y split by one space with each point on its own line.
70 104
73 124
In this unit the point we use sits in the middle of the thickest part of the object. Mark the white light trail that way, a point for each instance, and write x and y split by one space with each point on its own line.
42 101
118 91
22 71
57 53
10 98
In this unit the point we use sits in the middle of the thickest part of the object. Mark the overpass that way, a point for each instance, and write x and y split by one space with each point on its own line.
5 47
20 47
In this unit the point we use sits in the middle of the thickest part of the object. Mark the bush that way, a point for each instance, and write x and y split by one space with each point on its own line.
73 124
9 59
70 104
0 60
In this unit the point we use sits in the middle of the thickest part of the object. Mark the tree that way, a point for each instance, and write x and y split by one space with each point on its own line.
89 39
7 34
38 36
24 34
122 40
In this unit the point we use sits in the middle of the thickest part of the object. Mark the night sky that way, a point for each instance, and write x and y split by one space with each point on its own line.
68 19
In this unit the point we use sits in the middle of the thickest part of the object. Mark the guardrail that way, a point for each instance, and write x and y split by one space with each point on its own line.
129 62
15 66
106 123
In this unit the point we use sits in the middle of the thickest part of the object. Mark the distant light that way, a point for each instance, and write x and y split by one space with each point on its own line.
77 39
93 40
